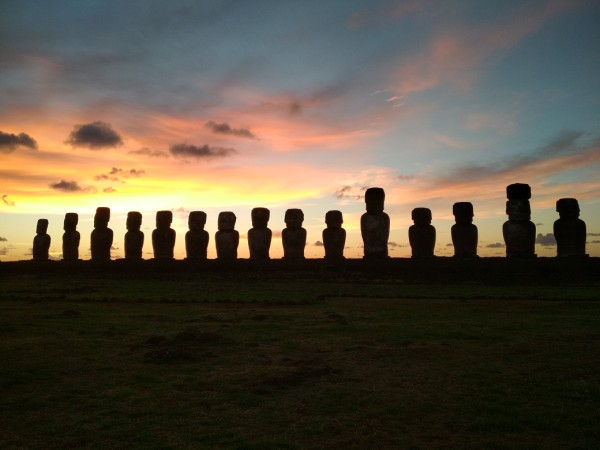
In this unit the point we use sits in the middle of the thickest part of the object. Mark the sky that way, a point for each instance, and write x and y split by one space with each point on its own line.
229 105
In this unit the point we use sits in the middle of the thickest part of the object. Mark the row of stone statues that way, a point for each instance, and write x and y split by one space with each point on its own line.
519 232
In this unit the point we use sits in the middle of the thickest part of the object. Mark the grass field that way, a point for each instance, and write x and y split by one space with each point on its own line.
203 362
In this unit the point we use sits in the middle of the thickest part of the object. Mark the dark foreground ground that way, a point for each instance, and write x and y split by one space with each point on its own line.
334 358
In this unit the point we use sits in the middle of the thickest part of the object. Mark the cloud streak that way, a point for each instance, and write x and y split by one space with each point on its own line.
200 152
225 128
70 186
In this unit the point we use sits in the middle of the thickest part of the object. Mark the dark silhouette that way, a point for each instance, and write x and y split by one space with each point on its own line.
293 235
259 236
375 225
519 230
334 236
421 235
163 237
464 233
102 236
227 238
569 231
41 241
196 240
71 237
134 238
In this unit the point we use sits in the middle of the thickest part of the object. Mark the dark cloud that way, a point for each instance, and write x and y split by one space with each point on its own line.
202 152
3 239
595 242
450 244
318 244
96 135
496 245
393 244
6 201
70 186
149 152
115 174
10 142
109 190
593 234
225 128
547 240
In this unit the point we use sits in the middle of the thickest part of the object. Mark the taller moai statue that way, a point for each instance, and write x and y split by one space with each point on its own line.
71 237
196 239
375 225
519 230
334 236
569 231
293 236
421 235
227 238
259 236
134 238
163 237
41 241
102 236
464 232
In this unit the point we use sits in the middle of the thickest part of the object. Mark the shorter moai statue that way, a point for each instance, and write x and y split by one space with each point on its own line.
196 239
464 233
375 225
569 231
41 241
134 238
227 238
334 236
163 237
421 235
293 236
71 237
102 236
519 230
259 236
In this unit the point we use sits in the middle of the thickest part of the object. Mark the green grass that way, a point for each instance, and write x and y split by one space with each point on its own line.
214 363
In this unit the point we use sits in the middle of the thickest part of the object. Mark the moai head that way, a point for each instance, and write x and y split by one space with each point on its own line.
42 226
164 219
197 220
375 199
421 216
134 220
518 210
226 221
334 219
518 191
260 217
102 218
463 212
294 218
567 208
71 220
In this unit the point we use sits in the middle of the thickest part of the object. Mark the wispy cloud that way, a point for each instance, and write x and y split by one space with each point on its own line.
150 153
200 152
70 186
225 128
95 136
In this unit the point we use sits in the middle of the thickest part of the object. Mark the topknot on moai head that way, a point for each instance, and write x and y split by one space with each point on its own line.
260 217
71 221
294 218
42 226
334 219
164 219
463 212
134 220
421 216
197 220
102 217
226 221
375 199
567 208
518 191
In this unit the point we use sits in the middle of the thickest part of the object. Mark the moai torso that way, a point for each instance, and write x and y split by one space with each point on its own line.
293 235
259 236
71 238
134 238
421 235
375 225
464 233
102 236
519 230
196 240
570 231
163 237
227 238
334 236
41 241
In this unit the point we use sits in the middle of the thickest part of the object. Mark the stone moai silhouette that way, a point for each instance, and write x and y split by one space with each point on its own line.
375 225
134 238
196 239
569 230
519 230
227 238
464 232
421 235
41 241
259 236
334 236
163 237
293 236
71 237
102 236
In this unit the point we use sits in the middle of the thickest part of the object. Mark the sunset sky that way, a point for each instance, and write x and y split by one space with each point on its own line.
229 105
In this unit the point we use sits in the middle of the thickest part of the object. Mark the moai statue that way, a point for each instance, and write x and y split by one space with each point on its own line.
227 238
102 236
293 235
334 236
421 235
134 238
375 225
163 237
71 238
464 233
519 230
569 231
259 236
196 240
41 241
